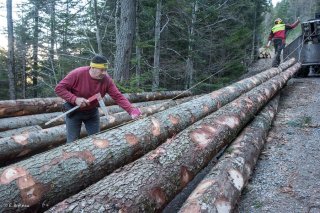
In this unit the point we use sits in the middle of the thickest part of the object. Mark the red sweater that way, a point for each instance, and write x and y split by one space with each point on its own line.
78 83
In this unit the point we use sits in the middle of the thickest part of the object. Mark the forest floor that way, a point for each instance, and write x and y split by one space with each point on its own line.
287 175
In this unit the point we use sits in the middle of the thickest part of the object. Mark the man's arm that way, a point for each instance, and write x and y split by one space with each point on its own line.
63 89
269 39
118 97
292 26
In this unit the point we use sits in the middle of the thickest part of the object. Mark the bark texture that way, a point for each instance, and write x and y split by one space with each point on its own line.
41 119
68 169
11 108
221 188
19 131
150 182
124 39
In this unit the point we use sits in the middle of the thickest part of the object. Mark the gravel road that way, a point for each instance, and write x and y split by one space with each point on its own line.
287 175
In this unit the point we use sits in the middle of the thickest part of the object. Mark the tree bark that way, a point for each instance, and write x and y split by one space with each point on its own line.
96 16
221 187
19 131
150 182
35 45
30 141
11 69
52 33
124 40
44 105
41 119
138 49
156 55
191 34
60 170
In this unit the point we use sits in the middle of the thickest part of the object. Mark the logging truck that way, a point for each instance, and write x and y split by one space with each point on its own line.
306 48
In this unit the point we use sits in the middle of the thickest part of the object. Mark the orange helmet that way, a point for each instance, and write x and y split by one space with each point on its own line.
278 21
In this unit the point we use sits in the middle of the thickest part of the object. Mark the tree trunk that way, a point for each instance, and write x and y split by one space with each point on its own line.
45 105
124 40
11 70
254 40
96 16
52 33
150 182
66 170
66 28
41 119
35 49
31 141
221 187
156 57
189 66
138 50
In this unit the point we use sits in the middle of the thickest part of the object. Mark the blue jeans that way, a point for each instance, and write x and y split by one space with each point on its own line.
90 119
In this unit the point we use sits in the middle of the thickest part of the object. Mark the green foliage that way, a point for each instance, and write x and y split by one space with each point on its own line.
221 40
4 82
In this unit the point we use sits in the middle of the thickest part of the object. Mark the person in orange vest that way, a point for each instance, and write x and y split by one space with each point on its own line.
278 35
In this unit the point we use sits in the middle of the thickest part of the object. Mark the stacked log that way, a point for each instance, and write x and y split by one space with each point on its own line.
41 119
264 53
12 108
19 131
221 187
30 142
150 182
66 170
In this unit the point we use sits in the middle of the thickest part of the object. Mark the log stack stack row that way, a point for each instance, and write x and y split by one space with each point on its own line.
142 165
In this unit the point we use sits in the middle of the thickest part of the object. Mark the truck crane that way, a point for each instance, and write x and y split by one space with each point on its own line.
306 48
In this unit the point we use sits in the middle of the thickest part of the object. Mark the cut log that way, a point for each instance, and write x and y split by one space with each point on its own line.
11 108
32 142
66 170
41 119
19 131
221 187
150 182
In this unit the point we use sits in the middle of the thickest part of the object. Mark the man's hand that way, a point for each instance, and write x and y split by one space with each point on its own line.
135 113
82 102
268 45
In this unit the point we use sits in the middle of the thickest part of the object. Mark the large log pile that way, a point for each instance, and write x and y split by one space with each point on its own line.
32 141
206 124
221 188
11 108
20 145
147 184
41 119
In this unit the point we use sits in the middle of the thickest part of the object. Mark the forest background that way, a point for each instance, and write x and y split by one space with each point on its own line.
157 45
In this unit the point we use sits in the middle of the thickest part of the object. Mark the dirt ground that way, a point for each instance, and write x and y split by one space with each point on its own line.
287 176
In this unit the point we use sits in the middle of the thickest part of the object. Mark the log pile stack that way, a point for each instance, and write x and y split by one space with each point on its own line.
143 165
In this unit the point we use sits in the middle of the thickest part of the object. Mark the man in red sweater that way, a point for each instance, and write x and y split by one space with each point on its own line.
278 34
82 83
